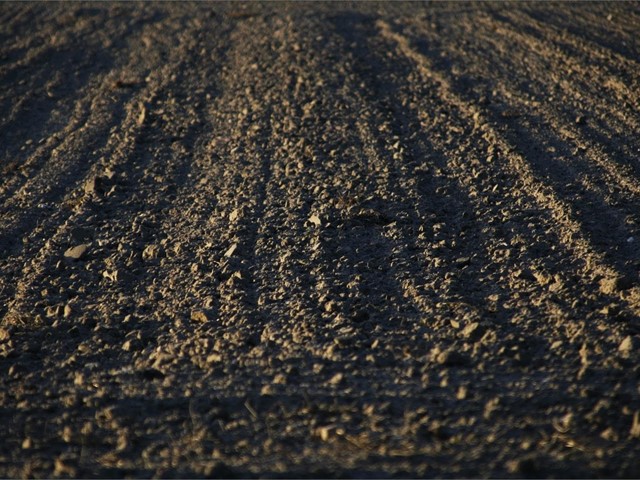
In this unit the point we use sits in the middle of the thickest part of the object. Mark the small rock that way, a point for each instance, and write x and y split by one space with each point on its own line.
4 334
473 332
580 120
214 358
315 219
112 275
64 466
326 432
628 346
463 261
461 393
336 379
150 252
615 284
231 250
95 185
267 390
331 306
77 252
142 115
635 425
233 216
199 316
67 311
609 434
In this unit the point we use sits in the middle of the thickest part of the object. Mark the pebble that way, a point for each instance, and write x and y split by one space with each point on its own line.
77 252
231 250
150 252
635 425
4 334
473 332
628 346
94 186
199 316
315 219
615 284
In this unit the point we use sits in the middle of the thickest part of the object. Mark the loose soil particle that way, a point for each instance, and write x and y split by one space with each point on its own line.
319 240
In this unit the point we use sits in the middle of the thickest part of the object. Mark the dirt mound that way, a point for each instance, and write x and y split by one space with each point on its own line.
319 239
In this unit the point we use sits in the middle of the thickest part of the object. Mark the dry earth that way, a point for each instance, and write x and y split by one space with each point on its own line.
320 239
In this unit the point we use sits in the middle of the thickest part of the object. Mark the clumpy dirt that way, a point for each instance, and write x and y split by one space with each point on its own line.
327 240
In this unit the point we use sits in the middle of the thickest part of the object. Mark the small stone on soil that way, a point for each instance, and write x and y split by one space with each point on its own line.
77 252
473 332
231 250
615 284
199 316
628 346
315 219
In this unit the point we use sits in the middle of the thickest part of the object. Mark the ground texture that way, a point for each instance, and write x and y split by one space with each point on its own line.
320 240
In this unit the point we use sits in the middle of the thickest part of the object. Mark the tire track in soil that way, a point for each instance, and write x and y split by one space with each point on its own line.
205 232
87 111
586 28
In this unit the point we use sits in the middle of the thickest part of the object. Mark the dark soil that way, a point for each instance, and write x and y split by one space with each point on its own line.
320 240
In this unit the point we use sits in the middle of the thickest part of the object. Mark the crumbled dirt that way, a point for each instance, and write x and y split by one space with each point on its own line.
306 239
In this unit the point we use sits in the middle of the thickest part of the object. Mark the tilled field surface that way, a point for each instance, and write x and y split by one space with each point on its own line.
323 240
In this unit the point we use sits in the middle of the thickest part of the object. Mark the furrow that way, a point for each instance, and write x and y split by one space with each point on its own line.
559 60
117 158
579 61
26 150
588 28
562 211
489 284
596 173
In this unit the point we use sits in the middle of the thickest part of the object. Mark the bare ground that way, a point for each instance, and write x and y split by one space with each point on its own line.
320 240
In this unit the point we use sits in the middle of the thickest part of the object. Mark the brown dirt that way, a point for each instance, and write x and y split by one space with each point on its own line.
320 239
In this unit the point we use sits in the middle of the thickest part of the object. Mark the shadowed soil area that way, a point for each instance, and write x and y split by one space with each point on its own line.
320 239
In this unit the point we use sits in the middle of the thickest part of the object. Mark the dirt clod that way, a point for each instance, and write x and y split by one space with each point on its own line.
615 284
77 252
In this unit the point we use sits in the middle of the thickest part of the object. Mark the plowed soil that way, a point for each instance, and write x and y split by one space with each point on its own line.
307 239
